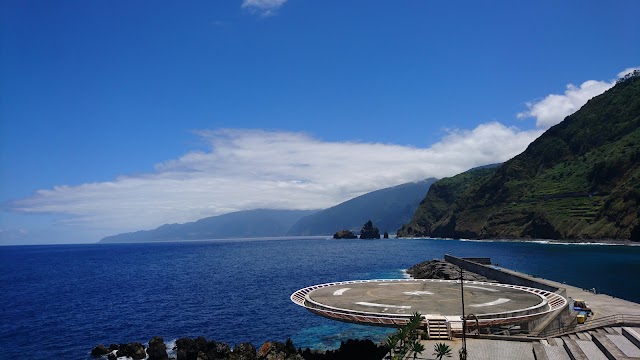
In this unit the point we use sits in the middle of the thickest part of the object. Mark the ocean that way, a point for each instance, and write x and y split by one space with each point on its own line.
59 301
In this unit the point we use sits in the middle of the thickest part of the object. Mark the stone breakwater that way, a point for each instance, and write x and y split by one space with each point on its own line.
201 349
440 269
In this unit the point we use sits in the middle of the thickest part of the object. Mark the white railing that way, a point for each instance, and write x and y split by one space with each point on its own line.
550 301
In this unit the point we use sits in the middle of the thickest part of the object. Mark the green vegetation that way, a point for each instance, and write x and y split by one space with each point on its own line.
406 339
439 199
579 180
441 350
416 347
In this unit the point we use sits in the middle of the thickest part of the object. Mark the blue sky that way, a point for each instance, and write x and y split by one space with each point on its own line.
124 115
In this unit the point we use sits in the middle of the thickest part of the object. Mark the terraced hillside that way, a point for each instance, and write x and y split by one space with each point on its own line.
579 180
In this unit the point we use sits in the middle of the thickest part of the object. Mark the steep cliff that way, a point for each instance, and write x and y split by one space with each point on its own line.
579 180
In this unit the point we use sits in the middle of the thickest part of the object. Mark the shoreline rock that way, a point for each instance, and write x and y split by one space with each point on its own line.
201 349
157 350
99 350
440 269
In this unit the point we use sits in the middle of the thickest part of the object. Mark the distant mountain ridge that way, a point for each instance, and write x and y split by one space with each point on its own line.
241 224
578 180
387 208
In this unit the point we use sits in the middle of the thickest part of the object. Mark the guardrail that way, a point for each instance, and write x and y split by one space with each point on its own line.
606 321
551 302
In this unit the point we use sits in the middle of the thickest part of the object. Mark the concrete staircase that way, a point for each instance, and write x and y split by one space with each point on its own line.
437 328
609 343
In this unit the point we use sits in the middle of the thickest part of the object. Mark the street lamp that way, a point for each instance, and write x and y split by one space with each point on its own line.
463 353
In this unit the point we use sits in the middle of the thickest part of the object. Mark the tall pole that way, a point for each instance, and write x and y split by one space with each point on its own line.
464 319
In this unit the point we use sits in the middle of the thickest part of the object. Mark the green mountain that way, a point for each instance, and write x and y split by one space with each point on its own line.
579 180
387 208
241 224
441 196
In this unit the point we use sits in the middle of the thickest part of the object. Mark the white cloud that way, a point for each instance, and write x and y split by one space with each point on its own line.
263 7
626 71
554 108
248 169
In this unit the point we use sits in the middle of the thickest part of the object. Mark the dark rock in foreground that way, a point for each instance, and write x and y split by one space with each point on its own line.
244 351
157 350
440 269
134 350
201 349
278 351
352 349
99 351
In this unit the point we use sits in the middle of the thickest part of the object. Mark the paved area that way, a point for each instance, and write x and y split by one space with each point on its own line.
613 342
602 304
425 297
614 346
478 349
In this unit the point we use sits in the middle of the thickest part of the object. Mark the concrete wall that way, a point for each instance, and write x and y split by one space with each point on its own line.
499 275
552 321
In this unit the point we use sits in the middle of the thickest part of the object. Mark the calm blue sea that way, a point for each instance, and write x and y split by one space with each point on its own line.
59 301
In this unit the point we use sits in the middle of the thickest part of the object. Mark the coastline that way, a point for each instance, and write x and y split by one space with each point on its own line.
610 242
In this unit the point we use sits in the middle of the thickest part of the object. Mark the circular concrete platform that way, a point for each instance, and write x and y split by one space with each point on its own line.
391 302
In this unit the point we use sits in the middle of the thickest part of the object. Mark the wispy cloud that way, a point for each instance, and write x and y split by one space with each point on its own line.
248 169
263 7
553 108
